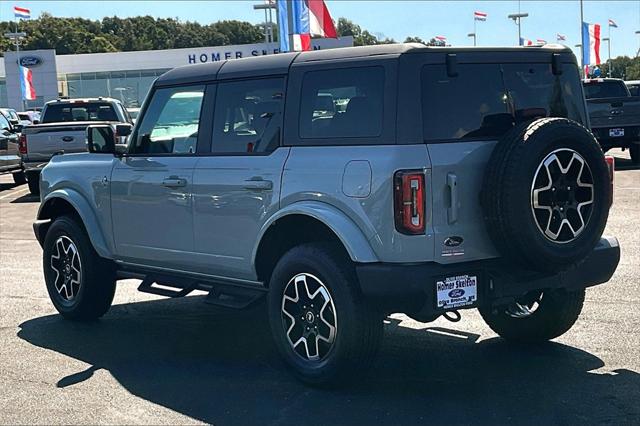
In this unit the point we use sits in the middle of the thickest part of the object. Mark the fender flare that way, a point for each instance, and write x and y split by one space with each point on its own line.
86 213
349 234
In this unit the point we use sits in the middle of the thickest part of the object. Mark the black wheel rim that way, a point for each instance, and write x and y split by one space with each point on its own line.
309 317
66 264
562 195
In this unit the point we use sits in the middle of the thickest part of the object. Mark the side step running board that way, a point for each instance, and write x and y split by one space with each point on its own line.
220 294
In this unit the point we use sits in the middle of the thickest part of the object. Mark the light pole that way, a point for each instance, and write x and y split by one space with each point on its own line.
474 37
268 19
517 19
608 40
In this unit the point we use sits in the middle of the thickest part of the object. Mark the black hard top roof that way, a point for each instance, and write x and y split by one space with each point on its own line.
279 64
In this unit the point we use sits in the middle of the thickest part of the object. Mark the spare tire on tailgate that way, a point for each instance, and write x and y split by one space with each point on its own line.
546 194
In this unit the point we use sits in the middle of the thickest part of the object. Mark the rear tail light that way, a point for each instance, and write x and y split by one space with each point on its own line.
22 144
611 165
409 202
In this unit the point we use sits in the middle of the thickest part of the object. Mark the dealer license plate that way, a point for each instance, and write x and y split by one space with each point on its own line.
454 292
616 133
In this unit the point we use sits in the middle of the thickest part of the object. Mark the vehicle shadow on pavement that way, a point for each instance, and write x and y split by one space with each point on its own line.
7 186
625 164
29 198
221 367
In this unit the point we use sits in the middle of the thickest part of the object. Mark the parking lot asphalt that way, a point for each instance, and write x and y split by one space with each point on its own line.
156 361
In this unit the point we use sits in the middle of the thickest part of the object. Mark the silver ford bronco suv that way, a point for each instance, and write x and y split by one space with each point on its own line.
341 186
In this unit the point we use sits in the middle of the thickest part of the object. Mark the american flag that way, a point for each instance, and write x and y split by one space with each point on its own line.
479 16
561 37
612 23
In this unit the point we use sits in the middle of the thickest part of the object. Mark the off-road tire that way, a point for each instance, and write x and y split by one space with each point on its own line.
634 151
33 180
558 311
507 193
19 178
359 324
97 276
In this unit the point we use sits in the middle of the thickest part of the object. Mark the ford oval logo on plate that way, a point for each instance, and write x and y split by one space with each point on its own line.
456 292
30 61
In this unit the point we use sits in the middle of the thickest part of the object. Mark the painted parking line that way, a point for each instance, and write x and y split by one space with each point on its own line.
20 191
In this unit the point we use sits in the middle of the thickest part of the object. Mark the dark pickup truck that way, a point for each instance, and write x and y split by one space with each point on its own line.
614 115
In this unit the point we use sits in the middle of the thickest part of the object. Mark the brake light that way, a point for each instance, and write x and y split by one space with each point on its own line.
611 165
22 144
409 202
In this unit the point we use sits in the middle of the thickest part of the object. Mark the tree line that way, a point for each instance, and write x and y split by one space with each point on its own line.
113 34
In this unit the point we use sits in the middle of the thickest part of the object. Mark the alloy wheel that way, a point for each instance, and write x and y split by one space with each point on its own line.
65 262
562 195
309 317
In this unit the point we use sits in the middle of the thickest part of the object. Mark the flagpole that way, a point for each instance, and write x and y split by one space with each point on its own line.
475 31
582 39
290 22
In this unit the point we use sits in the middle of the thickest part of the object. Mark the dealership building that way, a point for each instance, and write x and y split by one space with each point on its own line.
122 75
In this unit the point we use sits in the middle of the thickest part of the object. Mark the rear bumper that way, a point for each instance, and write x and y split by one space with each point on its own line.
631 136
411 287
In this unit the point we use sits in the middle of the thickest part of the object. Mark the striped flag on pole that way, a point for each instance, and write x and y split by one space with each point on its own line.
612 23
561 37
541 41
479 16
309 18
441 38
525 42
591 43
26 84
21 12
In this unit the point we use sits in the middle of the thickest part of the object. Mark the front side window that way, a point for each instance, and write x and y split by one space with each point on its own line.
248 116
170 124
342 103
4 123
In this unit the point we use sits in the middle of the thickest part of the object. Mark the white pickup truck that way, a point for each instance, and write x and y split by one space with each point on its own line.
62 130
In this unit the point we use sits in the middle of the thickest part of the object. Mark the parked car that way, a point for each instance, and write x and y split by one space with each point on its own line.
13 118
10 161
634 87
614 115
453 178
133 113
62 130
33 117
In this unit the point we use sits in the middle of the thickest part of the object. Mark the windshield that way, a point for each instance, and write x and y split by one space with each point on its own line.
79 111
604 89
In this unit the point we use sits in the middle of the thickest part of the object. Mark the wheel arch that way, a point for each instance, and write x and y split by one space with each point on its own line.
303 223
69 202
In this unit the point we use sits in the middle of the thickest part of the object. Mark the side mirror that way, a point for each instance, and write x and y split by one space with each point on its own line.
36 121
17 128
123 130
101 139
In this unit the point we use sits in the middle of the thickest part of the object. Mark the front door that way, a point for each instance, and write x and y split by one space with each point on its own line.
237 187
152 186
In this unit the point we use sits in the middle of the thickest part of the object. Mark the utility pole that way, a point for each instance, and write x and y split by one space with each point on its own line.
517 19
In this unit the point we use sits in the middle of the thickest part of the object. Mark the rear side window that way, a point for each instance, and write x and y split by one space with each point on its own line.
484 101
170 124
604 89
474 104
79 111
342 103
634 89
248 116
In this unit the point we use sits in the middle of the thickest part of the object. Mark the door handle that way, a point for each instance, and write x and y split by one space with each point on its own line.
452 211
174 182
67 139
258 184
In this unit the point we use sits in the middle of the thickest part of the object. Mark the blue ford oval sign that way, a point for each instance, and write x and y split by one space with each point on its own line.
29 61
456 292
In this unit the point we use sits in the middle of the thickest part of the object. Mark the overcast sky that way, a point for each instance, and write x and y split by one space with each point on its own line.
396 19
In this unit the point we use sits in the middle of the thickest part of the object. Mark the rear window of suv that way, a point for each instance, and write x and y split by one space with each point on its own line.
484 101
79 111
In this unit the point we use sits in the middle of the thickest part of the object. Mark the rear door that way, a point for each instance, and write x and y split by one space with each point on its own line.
237 185
151 191
465 112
